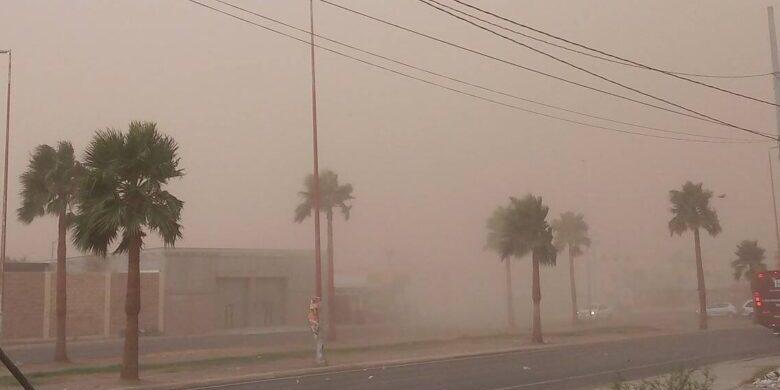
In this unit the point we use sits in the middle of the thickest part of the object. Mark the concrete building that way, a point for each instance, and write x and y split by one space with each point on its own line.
207 290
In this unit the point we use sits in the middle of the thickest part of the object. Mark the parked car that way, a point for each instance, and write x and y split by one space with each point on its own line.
595 312
722 309
747 308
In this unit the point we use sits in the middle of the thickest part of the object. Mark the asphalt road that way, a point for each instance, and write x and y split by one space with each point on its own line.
570 367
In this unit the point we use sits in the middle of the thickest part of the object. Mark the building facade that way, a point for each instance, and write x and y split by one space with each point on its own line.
207 290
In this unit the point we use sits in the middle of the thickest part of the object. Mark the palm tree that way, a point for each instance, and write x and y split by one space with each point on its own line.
122 199
528 231
691 210
332 196
499 242
750 260
572 233
50 186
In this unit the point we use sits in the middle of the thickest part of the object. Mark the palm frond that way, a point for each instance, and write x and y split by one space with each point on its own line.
50 182
122 191
691 210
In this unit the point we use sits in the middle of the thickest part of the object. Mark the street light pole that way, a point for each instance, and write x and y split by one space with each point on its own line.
5 187
774 206
316 189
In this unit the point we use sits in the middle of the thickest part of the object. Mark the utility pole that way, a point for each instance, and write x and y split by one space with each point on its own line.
592 256
776 83
317 252
774 204
5 188
775 63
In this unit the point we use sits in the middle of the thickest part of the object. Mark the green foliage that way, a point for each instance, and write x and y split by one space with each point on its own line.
498 238
50 183
123 190
691 210
521 228
571 231
332 195
750 259
677 380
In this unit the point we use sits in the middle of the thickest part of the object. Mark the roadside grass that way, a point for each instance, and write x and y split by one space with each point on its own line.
759 373
677 380
41 377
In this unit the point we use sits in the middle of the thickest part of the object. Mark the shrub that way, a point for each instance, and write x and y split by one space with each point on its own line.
677 380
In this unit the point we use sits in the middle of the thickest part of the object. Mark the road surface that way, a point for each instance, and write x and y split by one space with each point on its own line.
557 368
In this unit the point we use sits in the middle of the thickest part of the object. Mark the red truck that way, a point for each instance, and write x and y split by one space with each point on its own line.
766 299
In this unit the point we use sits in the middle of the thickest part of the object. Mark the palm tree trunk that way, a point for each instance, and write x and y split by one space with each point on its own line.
510 307
60 350
331 283
573 287
536 293
132 310
700 280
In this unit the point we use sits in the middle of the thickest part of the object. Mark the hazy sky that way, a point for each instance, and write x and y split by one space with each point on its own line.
428 165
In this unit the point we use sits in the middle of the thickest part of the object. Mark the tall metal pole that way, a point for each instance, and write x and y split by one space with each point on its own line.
317 251
774 205
5 189
775 63
776 83
316 174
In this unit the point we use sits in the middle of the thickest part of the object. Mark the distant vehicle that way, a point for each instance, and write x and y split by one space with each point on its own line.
766 299
722 309
747 308
595 312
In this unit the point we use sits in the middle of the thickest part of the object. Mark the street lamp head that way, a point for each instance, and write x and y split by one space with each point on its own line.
3 51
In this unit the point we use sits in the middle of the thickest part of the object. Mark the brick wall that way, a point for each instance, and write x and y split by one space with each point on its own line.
29 299
148 319
24 305
86 303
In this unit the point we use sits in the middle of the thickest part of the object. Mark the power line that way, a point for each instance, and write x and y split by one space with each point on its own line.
617 57
451 78
307 43
597 75
598 57
508 62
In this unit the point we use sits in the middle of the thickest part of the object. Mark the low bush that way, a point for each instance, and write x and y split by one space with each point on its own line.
677 380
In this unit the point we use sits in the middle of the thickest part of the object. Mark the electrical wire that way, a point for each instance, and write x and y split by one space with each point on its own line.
508 62
307 43
617 57
474 85
598 57
599 76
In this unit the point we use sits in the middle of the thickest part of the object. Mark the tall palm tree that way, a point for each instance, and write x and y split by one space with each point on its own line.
50 186
571 231
527 228
749 261
691 210
332 196
121 200
499 242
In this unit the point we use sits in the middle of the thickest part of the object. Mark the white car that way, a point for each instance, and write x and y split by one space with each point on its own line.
723 309
595 312
747 308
